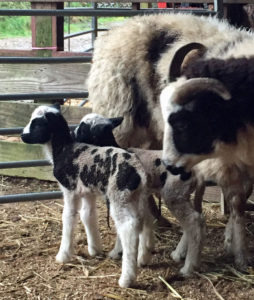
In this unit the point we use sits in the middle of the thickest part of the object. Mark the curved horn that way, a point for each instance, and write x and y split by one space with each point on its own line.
176 63
196 85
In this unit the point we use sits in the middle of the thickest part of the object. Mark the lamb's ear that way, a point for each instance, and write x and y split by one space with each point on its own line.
116 121
57 106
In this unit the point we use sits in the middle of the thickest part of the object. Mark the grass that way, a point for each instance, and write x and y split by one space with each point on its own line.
19 26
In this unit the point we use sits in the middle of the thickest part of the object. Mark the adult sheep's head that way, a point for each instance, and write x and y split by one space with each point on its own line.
196 117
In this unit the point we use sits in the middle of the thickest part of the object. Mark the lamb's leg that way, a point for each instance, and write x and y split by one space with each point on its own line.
193 231
128 227
228 241
69 218
117 251
235 235
194 226
239 247
162 221
146 241
198 197
146 244
88 216
181 250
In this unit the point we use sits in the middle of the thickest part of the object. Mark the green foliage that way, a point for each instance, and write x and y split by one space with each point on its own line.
19 26
14 26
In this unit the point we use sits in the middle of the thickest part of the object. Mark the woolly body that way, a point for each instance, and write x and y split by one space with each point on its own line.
175 192
83 171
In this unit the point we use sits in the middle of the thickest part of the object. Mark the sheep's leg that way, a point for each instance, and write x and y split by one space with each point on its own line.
194 226
128 226
241 254
193 231
181 250
69 218
198 197
88 216
162 221
146 241
228 241
116 252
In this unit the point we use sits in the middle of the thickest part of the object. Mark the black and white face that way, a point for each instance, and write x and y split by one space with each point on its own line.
37 131
97 130
194 129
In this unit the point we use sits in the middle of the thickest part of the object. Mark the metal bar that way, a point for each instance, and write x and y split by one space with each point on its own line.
219 8
30 197
68 36
24 164
94 24
18 130
98 12
89 50
69 29
6 131
42 96
83 102
44 60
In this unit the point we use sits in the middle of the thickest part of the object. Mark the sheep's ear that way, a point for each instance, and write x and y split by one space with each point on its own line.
57 106
116 121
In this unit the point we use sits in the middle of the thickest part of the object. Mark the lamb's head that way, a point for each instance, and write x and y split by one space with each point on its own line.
97 130
196 118
39 128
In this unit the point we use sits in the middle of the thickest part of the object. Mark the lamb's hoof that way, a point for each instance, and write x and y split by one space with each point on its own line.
93 251
177 256
242 262
116 255
186 271
144 259
125 282
63 257
228 247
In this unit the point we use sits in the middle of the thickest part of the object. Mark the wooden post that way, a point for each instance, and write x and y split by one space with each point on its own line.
223 204
47 33
236 15
135 5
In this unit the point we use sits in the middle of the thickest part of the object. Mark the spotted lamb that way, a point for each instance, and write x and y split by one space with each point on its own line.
175 192
84 171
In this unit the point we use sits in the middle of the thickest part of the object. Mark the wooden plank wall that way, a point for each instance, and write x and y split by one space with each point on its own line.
16 114
38 78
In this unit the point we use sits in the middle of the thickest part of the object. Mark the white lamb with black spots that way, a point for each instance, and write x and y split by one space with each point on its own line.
175 192
84 171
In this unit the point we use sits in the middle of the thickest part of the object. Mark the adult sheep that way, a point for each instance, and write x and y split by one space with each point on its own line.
131 68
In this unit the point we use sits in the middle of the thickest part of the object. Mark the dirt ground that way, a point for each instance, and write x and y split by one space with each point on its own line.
30 236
